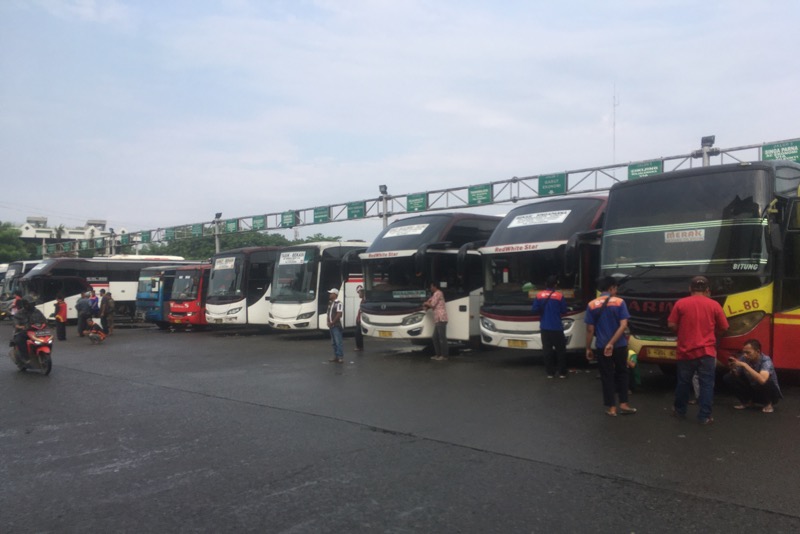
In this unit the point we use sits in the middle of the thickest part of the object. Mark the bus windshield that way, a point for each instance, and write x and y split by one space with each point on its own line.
148 284
506 275
226 277
186 285
711 224
393 279
295 277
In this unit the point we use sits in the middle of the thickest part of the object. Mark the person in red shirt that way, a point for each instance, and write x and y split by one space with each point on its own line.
697 319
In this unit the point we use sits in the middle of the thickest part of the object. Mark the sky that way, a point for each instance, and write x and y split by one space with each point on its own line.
155 113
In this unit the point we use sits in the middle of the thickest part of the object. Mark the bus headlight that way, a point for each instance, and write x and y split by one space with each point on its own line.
741 324
305 316
488 325
234 311
414 318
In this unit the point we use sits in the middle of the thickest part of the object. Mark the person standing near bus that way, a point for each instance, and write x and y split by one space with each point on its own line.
61 318
550 305
607 318
437 304
84 310
104 312
359 333
697 320
335 310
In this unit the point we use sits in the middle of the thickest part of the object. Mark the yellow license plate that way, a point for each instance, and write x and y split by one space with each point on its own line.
282 327
664 354
218 321
384 333
517 343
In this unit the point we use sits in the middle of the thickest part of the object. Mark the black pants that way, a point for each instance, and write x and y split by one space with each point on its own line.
747 392
82 318
359 336
613 375
61 331
21 340
554 345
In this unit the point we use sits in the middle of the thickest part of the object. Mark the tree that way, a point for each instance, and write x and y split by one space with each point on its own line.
201 248
12 248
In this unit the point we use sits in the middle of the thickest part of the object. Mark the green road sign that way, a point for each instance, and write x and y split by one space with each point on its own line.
169 234
356 210
552 184
125 239
99 242
259 222
644 169
84 245
145 237
232 225
322 215
418 202
288 219
38 252
790 151
480 194
197 230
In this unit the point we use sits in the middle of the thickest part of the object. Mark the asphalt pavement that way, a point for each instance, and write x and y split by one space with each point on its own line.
242 431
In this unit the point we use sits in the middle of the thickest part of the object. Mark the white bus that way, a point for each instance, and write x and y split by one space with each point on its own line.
407 257
239 287
73 276
557 236
303 276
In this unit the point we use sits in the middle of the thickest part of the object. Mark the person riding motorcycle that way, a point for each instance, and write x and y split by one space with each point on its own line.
26 316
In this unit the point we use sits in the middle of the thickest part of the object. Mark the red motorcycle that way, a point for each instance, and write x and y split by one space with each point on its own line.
40 346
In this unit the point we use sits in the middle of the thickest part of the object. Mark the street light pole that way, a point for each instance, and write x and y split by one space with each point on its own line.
217 217
385 201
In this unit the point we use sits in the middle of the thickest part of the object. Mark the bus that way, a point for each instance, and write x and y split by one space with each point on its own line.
73 276
239 286
736 224
303 276
14 273
555 236
407 257
187 302
154 291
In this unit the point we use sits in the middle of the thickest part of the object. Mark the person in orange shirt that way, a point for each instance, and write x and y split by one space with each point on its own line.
61 318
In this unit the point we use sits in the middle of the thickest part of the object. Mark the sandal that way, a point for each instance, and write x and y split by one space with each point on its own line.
627 411
768 409
611 414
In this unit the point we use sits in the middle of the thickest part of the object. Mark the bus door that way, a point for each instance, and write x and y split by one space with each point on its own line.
330 276
786 324
259 278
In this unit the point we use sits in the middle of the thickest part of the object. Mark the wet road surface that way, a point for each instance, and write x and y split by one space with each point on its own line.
205 432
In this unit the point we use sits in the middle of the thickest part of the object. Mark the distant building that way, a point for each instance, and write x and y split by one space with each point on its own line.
35 228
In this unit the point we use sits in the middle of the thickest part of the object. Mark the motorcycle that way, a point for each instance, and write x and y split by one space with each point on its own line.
40 346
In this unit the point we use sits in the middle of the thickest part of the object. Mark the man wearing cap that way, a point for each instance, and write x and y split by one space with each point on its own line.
697 319
335 325
550 305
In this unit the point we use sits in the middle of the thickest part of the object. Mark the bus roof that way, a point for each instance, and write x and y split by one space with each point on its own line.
456 228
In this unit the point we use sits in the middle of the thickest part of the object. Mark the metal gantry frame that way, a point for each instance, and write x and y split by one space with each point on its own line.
497 192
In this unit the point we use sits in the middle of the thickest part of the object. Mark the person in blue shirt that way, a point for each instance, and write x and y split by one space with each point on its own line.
550 305
607 319
753 379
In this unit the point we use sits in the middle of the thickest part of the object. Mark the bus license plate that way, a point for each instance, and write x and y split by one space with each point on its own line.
664 354
282 327
218 321
384 333
517 344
